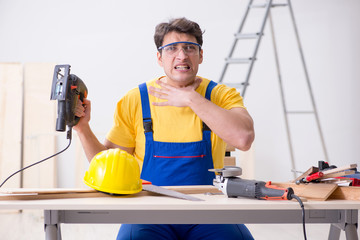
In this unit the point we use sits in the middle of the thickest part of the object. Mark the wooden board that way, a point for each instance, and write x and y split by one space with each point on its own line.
229 161
193 189
338 174
51 196
81 162
307 173
339 169
11 99
39 125
311 191
246 160
230 148
59 193
346 193
45 190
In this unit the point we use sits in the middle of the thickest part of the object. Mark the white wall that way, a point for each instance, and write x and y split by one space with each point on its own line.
109 45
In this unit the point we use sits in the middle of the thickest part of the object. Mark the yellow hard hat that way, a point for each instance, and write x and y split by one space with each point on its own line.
114 171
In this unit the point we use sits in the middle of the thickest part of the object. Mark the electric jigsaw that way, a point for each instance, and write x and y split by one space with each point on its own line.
68 89
231 185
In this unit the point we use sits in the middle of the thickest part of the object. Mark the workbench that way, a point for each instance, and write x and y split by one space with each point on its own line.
156 209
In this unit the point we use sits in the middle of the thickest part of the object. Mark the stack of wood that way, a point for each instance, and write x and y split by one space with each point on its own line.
338 175
330 183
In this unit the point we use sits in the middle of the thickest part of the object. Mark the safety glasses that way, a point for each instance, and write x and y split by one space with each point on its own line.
172 49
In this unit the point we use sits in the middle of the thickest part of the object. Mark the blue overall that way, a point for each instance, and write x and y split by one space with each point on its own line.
171 164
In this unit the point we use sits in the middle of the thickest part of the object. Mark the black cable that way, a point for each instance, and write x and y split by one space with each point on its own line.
68 137
303 212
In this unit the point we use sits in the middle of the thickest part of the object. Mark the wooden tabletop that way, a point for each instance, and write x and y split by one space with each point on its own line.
145 201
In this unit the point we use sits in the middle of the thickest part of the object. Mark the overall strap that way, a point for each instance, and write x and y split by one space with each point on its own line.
209 89
145 105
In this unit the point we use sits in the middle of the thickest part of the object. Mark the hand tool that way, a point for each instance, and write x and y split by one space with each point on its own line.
340 169
309 178
232 186
325 166
148 186
68 89
325 171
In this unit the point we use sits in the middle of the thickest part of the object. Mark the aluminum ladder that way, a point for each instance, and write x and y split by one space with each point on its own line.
257 36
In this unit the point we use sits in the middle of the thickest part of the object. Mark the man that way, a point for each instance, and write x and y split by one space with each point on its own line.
177 127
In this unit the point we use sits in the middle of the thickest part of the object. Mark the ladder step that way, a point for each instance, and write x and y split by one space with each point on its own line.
247 35
235 85
279 5
264 5
300 112
238 60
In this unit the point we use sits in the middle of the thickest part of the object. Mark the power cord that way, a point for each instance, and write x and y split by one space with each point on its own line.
303 213
68 137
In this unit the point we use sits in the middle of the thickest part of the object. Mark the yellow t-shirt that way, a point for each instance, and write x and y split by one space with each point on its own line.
170 124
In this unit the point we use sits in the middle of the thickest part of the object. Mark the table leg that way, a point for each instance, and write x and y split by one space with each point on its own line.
351 232
334 233
52 225
348 223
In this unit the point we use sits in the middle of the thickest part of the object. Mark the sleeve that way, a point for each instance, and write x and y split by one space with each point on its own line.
226 97
122 132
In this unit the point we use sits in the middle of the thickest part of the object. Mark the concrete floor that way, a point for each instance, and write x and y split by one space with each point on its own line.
29 225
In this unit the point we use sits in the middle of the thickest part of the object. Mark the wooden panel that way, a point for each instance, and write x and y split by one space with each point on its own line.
11 85
39 125
229 161
81 163
246 160
346 193
229 148
57 193
313 191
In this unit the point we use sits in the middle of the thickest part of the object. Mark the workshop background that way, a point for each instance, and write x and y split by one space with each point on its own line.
109 45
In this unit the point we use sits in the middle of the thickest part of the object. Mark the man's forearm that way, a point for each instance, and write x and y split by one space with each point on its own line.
234 126
90 143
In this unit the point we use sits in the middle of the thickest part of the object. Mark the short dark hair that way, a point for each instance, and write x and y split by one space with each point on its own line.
180 25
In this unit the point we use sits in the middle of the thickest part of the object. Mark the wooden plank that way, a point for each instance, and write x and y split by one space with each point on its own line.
39 125
192 189
229 148
307 173
311 191
339 169
45 190
229 161
346 193
59 193
81 162
246 160
338 174
11 100
51 196
308 191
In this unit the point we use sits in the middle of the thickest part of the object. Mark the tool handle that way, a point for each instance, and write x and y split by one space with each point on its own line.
272 192
314 176
61 118
77 91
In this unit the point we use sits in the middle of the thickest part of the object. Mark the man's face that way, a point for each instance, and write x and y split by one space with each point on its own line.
180 68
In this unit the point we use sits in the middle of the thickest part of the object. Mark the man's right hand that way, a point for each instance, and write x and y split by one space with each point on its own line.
82 110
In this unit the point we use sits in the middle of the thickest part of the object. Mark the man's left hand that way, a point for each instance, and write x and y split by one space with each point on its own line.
177 97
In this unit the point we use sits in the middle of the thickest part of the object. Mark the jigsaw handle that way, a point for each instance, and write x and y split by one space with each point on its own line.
77 91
